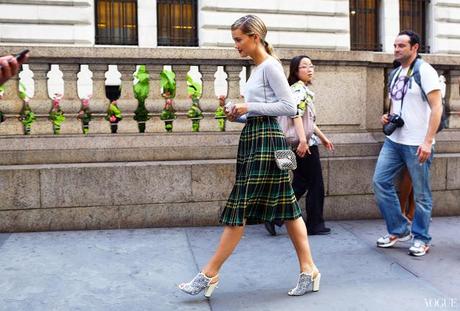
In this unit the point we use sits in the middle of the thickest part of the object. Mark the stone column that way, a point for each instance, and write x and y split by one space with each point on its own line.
233 73
99 102
127 102
233 94
453 101
154 102
41 103
181 101
70 103
208 101
375 89
389 23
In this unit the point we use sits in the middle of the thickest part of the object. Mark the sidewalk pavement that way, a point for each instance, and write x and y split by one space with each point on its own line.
139 269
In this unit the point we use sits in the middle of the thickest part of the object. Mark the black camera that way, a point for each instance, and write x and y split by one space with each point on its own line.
395 121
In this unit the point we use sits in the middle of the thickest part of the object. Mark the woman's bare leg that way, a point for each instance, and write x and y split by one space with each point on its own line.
228 241
298 234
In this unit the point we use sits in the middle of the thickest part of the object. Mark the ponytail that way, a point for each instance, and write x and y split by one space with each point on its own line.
269 49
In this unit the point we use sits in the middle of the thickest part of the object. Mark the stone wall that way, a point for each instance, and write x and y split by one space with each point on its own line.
68 22
320 24
445 34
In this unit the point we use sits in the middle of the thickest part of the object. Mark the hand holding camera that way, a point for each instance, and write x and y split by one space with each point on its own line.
394 121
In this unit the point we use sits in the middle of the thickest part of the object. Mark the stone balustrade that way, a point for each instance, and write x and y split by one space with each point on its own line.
345 82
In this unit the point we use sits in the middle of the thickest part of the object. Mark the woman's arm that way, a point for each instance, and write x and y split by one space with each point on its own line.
274 79
326 142
302 148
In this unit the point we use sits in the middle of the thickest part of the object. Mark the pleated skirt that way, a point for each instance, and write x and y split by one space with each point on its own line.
262 192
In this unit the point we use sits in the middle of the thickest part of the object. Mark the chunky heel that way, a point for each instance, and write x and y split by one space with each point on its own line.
199 283
316 282
210 289
305 281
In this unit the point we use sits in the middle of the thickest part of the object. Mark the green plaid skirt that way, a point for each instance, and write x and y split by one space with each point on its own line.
262 192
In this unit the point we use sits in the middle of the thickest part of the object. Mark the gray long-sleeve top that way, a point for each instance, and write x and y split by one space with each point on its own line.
277 100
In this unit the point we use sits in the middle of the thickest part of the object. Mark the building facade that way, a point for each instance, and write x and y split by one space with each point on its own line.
321 24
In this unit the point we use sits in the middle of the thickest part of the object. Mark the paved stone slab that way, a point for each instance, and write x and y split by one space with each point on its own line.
441 267
140 269
95 270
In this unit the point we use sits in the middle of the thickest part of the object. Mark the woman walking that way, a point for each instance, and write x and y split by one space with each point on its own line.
308 176
262 192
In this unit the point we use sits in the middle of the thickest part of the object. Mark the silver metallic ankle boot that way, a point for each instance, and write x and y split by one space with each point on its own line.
199 283
304 282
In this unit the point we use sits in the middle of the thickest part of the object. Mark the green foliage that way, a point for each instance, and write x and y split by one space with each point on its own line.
22 91
194 88
57 117
141 113
221 118
168 114
168 126
113 113
27 117
194 111
84 115
141 88
168 83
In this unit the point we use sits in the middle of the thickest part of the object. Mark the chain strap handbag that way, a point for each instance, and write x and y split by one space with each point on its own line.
285 158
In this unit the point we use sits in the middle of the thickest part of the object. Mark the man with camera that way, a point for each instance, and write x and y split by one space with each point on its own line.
411 125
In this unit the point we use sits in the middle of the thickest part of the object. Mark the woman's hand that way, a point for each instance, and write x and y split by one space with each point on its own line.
302 149
240 109
327 143
237 111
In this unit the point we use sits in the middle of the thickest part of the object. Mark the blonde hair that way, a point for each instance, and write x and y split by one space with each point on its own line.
253 25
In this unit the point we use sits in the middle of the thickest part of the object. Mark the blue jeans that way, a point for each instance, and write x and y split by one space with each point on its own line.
392 159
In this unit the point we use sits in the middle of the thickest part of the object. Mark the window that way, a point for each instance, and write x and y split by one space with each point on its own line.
364 25
177 22
412 16
116 22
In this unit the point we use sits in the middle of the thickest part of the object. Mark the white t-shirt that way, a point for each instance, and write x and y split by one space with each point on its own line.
416 112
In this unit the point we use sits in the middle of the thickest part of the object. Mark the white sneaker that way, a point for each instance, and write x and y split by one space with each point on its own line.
419 248
389 240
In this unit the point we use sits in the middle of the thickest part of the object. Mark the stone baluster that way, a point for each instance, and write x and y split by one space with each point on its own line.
181 101
233 93
233 79
70 103
99 102
208 101
154 102
10 106
454 99
41 103
127 102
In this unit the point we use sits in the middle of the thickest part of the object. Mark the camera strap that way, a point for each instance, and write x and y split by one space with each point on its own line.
408 77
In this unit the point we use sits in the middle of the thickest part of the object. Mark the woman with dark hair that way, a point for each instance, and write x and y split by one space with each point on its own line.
308 176
262 192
